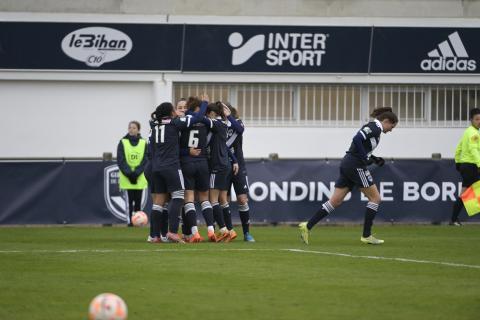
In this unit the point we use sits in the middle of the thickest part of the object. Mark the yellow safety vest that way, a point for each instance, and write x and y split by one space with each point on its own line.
468 149
134 156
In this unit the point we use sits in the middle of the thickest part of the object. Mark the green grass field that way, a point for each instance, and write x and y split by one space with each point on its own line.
54 272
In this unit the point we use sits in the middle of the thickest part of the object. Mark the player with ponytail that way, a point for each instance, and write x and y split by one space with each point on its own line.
354 173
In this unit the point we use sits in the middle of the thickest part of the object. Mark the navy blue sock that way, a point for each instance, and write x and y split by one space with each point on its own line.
207 213
185 228
190 216
218 215
324 211
227 216
164 221
155 221
174 212
370 213
244 212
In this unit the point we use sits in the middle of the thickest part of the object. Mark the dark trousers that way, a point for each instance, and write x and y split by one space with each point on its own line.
470 174
134 202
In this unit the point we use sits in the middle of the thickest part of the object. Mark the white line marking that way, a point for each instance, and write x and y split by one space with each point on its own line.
338 254
449 264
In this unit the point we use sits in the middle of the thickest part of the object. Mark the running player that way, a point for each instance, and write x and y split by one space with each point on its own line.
239 181
354 172
467 160
167 176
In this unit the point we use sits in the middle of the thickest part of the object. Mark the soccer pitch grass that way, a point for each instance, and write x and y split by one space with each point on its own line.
54 272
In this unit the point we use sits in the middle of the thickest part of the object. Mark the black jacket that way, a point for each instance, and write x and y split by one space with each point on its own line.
122 162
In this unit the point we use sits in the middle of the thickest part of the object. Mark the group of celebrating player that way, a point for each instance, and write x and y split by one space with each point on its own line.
195 153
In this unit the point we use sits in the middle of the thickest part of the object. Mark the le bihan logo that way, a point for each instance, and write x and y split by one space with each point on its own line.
295 49
96 45
446 59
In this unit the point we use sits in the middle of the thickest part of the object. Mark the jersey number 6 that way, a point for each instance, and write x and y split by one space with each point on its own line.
192 139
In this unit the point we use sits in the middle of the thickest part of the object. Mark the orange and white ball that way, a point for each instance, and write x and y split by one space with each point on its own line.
107 306
140 219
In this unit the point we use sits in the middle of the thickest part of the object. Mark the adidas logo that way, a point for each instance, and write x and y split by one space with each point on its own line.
450 56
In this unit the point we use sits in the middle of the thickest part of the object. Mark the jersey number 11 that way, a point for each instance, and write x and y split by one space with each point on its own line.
162 133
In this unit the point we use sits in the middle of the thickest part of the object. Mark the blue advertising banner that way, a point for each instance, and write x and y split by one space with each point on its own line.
99 46
238 48
425 50
276 49
412 190
280 191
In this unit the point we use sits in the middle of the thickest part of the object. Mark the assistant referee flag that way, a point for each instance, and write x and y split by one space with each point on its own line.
471 199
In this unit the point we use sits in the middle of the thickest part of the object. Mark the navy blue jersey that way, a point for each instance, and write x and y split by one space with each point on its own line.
363 144
194 137
218 145
164 142
153 124
235 143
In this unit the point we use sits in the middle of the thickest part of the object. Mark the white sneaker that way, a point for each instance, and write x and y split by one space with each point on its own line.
153 239
164 239
371 240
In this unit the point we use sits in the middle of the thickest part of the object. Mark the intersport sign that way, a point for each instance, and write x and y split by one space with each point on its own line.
236 48
305 49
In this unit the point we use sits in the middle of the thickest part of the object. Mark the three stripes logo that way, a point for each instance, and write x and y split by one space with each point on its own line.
451 55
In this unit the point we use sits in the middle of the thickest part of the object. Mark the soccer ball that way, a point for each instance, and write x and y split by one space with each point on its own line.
107 306
140 219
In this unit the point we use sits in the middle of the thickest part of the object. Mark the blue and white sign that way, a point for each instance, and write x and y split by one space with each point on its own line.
287 190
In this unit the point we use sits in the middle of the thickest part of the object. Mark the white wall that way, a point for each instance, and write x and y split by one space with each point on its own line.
317 8
69 118
87 118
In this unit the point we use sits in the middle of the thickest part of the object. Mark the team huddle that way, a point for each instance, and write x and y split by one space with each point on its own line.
195 154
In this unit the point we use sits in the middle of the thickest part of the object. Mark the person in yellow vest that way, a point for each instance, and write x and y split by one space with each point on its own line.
131 160
467 160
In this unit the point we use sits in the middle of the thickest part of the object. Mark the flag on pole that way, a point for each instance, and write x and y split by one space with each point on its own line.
471 199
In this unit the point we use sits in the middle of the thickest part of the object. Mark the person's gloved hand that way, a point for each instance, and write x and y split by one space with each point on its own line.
132 179
379 161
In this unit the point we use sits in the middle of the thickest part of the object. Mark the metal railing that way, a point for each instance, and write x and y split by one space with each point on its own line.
342 105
